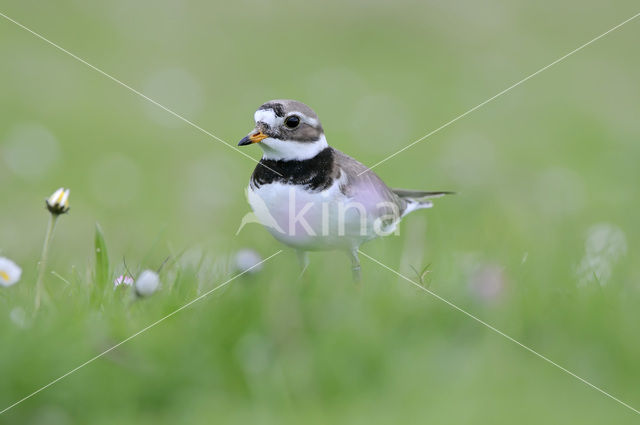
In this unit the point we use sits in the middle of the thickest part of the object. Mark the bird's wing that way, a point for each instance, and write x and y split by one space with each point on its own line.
364 186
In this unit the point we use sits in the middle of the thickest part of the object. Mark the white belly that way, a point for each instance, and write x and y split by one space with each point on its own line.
311 221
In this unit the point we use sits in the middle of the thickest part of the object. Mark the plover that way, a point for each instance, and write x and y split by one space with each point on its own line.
311 196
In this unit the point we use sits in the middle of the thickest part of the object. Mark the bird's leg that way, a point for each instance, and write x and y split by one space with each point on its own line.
355 265
303 260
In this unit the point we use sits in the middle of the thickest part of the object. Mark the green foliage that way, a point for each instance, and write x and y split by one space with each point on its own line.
534 170
102 273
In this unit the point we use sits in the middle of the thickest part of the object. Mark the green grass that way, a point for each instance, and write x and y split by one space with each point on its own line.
535 170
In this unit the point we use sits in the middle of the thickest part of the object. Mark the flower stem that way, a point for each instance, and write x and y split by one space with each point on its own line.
42 265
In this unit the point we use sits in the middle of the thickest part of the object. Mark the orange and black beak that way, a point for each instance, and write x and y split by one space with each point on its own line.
254 137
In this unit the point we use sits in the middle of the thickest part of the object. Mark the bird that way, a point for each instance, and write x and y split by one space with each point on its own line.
311 196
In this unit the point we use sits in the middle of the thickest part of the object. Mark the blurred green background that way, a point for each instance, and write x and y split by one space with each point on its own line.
540 240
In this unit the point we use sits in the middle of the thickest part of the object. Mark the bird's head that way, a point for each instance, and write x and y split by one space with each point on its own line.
286 130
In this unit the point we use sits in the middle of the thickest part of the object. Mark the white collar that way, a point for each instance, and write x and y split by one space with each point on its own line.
290 150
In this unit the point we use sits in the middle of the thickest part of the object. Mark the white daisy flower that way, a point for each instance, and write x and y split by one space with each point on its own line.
247 260
147 283
58 203
10 272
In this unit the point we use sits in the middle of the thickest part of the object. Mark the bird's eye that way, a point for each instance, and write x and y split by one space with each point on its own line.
292 122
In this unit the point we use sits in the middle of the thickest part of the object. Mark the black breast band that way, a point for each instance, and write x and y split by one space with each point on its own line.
314 173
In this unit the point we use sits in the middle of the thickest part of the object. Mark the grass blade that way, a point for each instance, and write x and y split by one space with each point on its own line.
101 272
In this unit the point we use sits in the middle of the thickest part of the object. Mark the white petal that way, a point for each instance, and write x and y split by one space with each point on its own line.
10 272
64 200
53 199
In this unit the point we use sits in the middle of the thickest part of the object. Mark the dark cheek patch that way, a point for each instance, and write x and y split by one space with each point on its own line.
304 133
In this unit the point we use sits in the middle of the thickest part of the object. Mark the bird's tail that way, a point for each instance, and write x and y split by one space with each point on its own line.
418 199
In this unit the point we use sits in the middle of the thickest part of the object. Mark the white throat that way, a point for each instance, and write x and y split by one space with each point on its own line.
290 150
